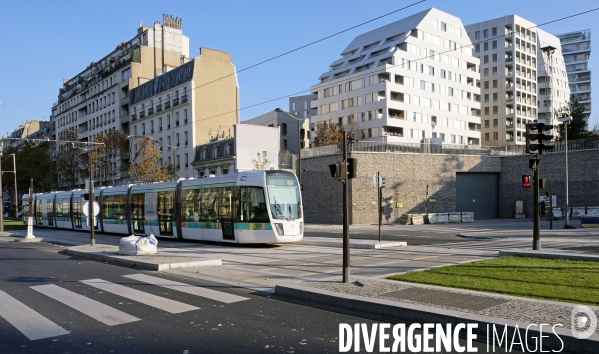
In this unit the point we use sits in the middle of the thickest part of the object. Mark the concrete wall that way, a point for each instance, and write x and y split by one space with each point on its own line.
407 175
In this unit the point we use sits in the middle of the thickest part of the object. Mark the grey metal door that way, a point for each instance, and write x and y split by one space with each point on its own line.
478 192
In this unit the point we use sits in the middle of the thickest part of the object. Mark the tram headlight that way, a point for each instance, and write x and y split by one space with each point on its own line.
279 228
301 227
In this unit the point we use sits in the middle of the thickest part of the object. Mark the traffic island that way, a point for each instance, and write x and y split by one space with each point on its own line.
353 243
157 262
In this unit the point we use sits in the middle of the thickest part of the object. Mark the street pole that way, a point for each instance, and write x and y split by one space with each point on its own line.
299 153
536 233
1 198
14 164
30 217
92 224
378 178
345 214
567 226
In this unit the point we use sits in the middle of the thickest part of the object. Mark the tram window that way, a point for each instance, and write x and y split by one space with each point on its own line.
137 206
190 205
253 205
107 206
209 204
62 207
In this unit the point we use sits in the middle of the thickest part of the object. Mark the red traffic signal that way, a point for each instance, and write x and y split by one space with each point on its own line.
526 181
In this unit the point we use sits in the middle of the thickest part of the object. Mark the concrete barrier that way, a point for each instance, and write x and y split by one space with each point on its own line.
467 216
417 219
593 211
578 212
406 219
455 217
442 218
557 213
430 218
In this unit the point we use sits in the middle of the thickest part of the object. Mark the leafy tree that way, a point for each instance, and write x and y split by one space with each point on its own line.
328 133
577 127
261 162
145 166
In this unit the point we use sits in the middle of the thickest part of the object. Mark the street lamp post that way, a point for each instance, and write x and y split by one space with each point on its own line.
565 120
299 143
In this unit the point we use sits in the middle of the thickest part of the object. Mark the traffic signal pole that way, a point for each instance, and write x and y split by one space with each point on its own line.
345 181
536 231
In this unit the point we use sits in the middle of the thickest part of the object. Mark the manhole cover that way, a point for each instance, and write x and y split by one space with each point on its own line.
445 298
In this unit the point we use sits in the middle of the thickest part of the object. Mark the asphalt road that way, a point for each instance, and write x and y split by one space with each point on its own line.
433 234
257 324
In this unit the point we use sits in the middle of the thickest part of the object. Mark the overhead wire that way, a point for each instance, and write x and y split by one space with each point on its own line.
384 69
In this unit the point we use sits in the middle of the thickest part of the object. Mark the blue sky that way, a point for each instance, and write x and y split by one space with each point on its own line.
45 41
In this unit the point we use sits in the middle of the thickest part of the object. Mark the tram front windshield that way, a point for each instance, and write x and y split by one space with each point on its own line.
283 196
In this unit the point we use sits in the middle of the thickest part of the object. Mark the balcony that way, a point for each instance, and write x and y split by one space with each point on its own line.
142 114
175 101
176 123
133 117
167 105
397 114
150 111
125 101
183 99
159 108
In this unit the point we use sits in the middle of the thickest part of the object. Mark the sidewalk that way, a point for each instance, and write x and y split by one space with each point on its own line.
311 275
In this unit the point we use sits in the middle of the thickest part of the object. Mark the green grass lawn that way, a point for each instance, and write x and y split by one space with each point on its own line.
10 225
550 279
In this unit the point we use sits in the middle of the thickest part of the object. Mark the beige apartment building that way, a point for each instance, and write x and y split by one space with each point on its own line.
96 100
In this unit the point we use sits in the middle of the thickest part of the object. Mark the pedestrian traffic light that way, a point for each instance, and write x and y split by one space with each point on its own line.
352 167
85 196
526 181
536 138
543 208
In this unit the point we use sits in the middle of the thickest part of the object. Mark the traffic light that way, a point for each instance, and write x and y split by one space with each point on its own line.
338 171
352 167
535 132
85 196
543 208
526 181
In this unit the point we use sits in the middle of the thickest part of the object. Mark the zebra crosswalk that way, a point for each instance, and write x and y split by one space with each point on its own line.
35 326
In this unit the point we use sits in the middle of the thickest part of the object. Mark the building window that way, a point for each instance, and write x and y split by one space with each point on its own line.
495 111
486 136
477 35
494 70
486 46
284 143
486 85
494 96
486 123
495 58
486 111
284 128
486 72
486 33
486 59
494 83
494 31
495 136
486 97
443 26
494 45
477 48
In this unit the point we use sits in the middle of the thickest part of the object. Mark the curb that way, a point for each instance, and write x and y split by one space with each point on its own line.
541 254
403 312
137 262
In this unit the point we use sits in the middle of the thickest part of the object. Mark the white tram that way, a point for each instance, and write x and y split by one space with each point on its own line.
244 207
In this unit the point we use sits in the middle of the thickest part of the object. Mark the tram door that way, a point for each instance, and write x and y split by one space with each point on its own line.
227 213
166 212
137 212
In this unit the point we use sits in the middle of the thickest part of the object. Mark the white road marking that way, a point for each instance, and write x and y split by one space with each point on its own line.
158 302
26 320
94 309
186 288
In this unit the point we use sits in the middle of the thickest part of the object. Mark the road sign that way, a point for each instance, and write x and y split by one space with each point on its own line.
96 208
377 180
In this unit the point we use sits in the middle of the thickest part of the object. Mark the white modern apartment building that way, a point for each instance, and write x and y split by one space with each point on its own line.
193 104
410 80
554 90
96 100
510 49
576 48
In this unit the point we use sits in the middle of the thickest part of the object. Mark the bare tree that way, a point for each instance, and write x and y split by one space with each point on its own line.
261 161
67 156
109 156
